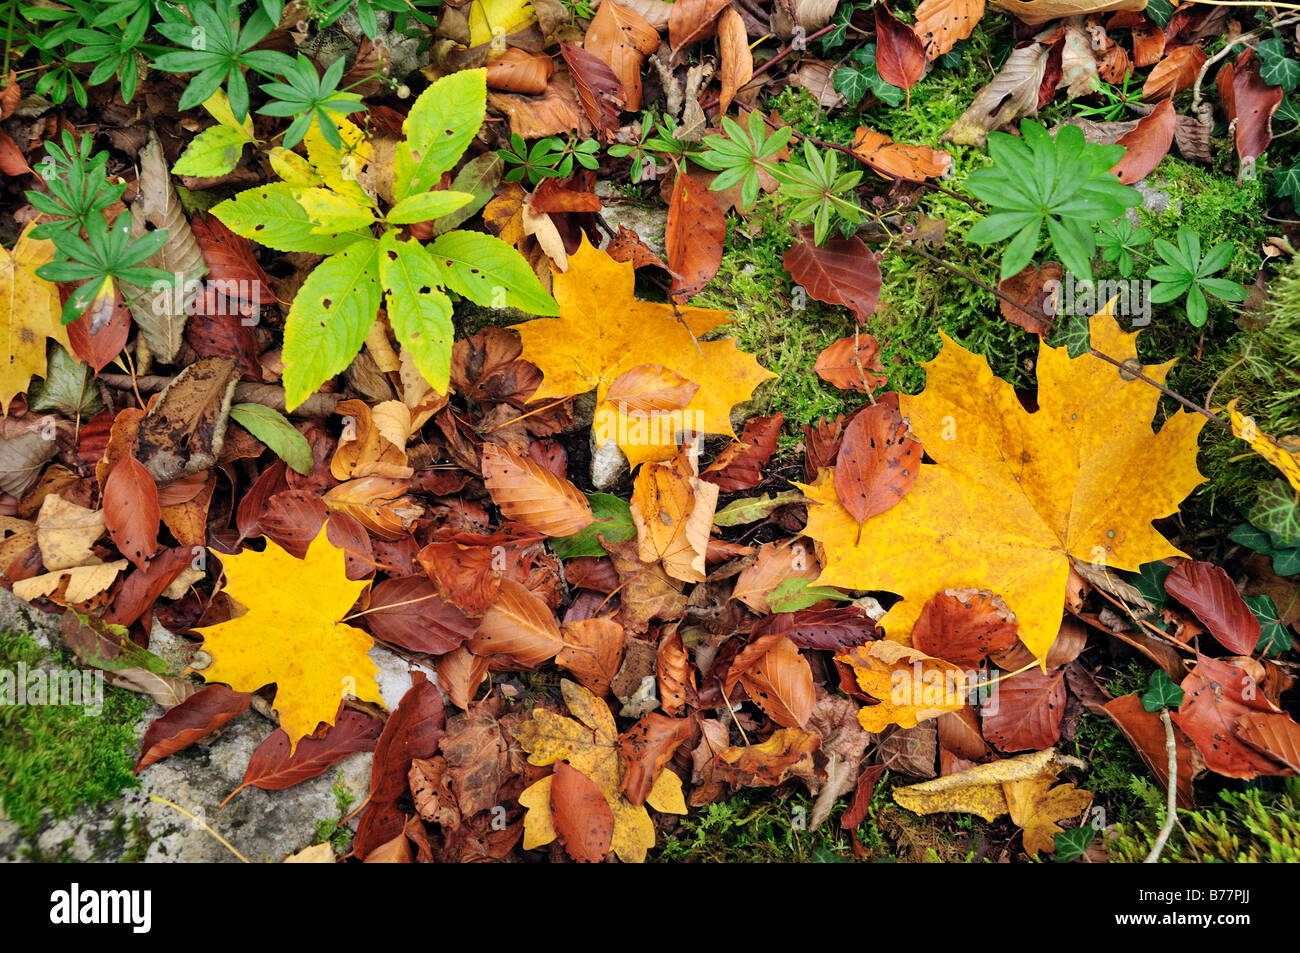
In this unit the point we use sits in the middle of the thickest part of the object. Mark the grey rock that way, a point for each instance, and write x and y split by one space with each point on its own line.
607 463
648 221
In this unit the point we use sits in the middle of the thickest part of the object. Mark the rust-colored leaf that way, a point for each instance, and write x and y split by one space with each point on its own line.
842 271
964 626
131 512
1025 711
1145 731
273 768
692 20
1208 591
1147 143
777 678
878 460
518 628
599 90
849 364
696 233
1173 74
1036 296
518 71
647 746
623 39
740 465
1217 695
409 613
737 66
197 716
581 815
528 492
900 54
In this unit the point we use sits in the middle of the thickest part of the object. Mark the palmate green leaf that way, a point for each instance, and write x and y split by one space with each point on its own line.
270 215
329 319
273 429
213 152
440 126
418 310
489 272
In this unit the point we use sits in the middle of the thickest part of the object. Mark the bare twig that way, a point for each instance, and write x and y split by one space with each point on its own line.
1171 804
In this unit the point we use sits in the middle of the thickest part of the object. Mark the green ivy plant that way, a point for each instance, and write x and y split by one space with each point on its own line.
321 208
1060 182
1186 272
860 77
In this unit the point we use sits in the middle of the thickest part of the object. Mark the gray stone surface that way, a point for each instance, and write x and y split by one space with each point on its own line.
261 825
648 220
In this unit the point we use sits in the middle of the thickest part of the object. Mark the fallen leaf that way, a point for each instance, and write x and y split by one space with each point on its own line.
900 55
841 271
1173 74
695 236
849 364
896 160
878 460
196 717
532 495
1147 144
1210 594
910 686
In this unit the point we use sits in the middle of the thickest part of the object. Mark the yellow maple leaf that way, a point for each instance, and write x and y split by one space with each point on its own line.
1013 495
1021 786
1283 454
291 634
603 332
590 744
912 686
29 313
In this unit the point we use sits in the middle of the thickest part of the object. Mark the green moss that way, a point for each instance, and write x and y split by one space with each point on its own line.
752 826
57 759
336 831
1254 825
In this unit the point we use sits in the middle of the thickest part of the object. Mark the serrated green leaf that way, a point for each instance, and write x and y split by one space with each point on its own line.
271 216
274 429
440 126
426 206
330 317
418 310
213 152
489 272
613 522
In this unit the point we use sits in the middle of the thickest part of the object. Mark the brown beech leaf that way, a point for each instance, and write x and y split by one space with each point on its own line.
1173 74
822 439
531 494
1025 711
897 160
878 460
201 714
647 592
900 54
775 563
1276 735
1145 731
1011 94
829 630
273 768
650 389
674 673
412 731
599 90
409 613
1249 103
737 58
460 673
1217 695
593 649
627 245
131 513
623 39
581 815
692 20
777 678
696 233
848 364
1206 590
647 746
740 465
518 71
1036 296
788 751
941 23
518 628
1147 144
552 196
842 271
963 626
672 509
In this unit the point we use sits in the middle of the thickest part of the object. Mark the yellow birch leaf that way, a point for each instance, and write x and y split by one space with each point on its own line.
291 634
1013 495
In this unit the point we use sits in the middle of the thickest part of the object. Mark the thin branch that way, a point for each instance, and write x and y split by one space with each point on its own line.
1171 805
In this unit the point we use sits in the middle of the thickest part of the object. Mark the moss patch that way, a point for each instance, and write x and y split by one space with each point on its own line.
59 758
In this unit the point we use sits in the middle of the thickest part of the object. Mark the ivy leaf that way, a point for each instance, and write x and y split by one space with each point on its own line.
330 318
1150 582
273 429
1275 68
613 523
1276 510
1074 843
1273 638
1161 692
